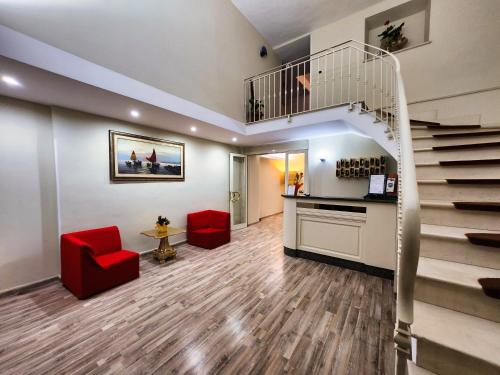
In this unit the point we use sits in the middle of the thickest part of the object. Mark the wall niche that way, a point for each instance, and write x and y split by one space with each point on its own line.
416 16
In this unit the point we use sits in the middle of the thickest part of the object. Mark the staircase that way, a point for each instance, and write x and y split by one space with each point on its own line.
448 255
457 322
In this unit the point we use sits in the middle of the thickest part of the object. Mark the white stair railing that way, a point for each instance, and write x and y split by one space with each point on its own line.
351 72
368 78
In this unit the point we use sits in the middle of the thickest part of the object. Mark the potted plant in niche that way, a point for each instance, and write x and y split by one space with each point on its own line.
162 224
392 38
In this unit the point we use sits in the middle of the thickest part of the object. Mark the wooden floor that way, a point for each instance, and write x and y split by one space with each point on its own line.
242 308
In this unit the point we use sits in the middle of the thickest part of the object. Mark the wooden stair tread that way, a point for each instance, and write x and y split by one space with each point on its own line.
473 336
484 239
474 181
466 146
460 181
445 231
467 134
491 287
465 275
461 205
478 206
452 127
449 163
424 123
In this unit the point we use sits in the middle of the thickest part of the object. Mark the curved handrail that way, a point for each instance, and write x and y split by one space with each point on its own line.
410 202
408 220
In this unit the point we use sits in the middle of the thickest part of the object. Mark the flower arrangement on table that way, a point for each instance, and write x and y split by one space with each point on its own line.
162 224
298 181
392 38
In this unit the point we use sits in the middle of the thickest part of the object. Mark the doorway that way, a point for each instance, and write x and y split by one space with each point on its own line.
269 176
271 184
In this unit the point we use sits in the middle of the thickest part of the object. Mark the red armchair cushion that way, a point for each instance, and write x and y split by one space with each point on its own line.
109 260
208 229
92 261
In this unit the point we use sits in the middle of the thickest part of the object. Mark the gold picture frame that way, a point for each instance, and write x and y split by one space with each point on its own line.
135 157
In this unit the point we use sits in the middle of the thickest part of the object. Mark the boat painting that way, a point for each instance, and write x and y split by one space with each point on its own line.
135 157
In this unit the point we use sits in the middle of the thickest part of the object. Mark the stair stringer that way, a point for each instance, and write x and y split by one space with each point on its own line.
365 124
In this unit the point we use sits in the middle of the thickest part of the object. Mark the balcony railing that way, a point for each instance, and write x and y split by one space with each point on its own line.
354 73
348 73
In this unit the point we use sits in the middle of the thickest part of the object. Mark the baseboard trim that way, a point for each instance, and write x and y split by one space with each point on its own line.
370 270
268 216
26 287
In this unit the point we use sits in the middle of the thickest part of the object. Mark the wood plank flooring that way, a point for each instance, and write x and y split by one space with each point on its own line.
244 308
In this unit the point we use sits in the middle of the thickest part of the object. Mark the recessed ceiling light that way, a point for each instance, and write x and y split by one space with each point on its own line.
193 128
134 113
11 81
235 139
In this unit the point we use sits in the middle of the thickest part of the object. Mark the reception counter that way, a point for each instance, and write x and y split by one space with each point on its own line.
355 233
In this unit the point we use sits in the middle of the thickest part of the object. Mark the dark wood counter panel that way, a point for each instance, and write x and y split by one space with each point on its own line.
371 200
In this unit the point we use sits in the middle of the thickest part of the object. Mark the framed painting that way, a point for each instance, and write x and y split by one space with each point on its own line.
139 158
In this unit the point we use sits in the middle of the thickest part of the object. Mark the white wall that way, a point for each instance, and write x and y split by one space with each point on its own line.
322 179
28 200
463 54
271 186
198 50
29 233
474 108
88 199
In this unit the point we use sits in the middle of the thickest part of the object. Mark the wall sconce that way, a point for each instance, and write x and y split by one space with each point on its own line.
323 155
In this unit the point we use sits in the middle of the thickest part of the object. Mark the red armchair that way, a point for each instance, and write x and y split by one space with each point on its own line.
93 261
208 229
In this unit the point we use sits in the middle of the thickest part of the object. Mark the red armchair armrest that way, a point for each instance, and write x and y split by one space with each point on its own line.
74 244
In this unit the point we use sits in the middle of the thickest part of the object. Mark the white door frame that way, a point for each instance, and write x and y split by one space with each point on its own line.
232 191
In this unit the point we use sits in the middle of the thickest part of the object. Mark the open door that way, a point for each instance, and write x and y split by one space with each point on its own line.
238 190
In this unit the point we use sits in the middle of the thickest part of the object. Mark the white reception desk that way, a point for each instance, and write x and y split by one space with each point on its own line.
354 233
